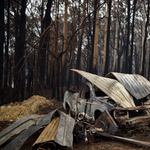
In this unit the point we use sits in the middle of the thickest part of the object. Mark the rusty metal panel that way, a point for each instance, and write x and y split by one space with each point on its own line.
49 133
68 98
136 84
107 123
110 87
59 130
64 134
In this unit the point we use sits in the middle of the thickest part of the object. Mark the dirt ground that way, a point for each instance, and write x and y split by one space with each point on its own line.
40 105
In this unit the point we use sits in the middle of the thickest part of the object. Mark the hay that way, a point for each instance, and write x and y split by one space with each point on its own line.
33 105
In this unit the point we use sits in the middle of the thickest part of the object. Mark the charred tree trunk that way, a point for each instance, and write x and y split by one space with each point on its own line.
96 41
128 39
132 40
1 41
44 42
64 48
92 37
72 52
107 37
70 63
56 61
143 64
19 54
149 62
116 38
79 46
7 46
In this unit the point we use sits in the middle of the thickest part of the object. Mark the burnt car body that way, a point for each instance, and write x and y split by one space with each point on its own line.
112 103
85 103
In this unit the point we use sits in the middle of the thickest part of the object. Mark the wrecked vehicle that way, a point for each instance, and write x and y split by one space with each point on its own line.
120 100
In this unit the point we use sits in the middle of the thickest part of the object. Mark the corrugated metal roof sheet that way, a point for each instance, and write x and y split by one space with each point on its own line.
64 134
137 85
49 133
59 130
111 87
19 126
17 143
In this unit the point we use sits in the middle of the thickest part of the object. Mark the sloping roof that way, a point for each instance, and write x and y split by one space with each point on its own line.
137 85
111 87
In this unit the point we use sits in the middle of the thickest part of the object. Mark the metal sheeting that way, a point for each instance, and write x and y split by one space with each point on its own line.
70 96
19 126
110 87
49 133
137 85
47 119
17 143
64 134
59 130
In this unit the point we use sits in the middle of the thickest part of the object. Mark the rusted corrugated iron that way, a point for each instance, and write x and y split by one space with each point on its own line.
110 87
60 130
48 134
137 85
